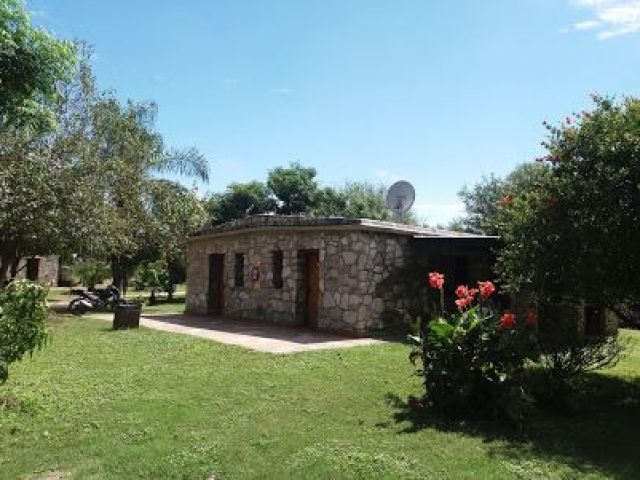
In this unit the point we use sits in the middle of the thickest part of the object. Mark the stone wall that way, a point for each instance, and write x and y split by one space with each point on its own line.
48 269
353 266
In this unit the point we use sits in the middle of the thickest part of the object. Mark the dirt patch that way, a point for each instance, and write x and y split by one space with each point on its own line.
53 475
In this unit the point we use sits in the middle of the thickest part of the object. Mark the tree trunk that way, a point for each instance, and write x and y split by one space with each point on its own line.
8 254
152 297
14 267
119 273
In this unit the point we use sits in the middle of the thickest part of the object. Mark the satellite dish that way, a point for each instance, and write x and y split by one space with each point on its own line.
400 196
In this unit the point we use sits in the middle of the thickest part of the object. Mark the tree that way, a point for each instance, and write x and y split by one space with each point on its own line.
240 200
32 61
90 187
365 200
577 233
29 204
176 212
483 200
126 151
356 200
570 228
90 272
295 188
23 313
49 201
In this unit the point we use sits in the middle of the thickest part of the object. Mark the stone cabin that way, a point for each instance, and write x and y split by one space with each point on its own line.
345 275
44 269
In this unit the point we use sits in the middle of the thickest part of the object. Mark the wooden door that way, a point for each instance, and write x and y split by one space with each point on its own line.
33 269
312 287
216 284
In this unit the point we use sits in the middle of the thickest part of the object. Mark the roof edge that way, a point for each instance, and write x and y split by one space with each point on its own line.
300 222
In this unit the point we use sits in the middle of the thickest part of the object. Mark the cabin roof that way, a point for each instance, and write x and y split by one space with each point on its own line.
269 222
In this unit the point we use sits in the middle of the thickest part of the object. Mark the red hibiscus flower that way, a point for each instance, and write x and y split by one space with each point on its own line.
532 318
486 289
464 302
462 291
436 280
508 320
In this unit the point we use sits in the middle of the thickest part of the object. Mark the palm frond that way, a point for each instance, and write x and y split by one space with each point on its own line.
188 162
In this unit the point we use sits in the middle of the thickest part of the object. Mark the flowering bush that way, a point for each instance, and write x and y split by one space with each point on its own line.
473 360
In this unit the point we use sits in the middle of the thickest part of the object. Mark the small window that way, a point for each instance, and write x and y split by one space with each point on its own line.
239 270
277 269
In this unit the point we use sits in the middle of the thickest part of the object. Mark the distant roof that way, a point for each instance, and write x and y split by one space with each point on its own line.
301 222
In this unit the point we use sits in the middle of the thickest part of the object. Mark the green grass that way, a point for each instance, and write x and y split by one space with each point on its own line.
59 294
63 295
145 404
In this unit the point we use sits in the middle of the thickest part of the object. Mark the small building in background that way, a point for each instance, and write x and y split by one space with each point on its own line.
336 274
43 269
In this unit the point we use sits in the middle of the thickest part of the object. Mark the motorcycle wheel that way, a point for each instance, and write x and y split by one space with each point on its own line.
76 307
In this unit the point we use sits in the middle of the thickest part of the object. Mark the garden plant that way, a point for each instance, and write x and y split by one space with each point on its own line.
23 313
473 360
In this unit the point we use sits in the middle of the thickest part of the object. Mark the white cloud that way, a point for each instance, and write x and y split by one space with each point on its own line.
611 18
587 25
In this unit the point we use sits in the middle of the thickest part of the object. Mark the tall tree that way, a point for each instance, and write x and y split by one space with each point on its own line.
125 151
482 201
356 200
240 200
578 232
295 188
176 212
91 186
45 200
32 62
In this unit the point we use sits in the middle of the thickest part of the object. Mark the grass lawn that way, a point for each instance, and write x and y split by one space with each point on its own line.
145 404
63 294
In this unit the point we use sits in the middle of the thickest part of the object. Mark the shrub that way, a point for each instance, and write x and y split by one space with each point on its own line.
574 340
474 359
564 368
91 272
156 276
23 312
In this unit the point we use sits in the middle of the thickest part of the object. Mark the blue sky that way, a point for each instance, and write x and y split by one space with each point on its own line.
435 92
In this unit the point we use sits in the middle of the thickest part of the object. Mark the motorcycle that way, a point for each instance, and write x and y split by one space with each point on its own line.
95 300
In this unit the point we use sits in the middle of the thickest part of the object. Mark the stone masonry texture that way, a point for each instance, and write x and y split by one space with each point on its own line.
363 265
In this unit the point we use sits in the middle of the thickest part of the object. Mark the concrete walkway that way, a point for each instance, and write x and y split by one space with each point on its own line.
263 337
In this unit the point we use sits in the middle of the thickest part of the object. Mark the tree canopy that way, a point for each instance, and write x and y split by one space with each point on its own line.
32 62
240 200
294 190
570 223
92 186
483 200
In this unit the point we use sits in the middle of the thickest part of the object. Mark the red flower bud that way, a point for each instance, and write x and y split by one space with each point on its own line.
436 280
486 289
462 291
508 320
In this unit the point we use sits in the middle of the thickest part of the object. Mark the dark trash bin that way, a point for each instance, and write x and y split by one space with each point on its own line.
126 316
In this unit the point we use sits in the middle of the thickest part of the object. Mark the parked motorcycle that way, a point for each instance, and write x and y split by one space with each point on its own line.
95 300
